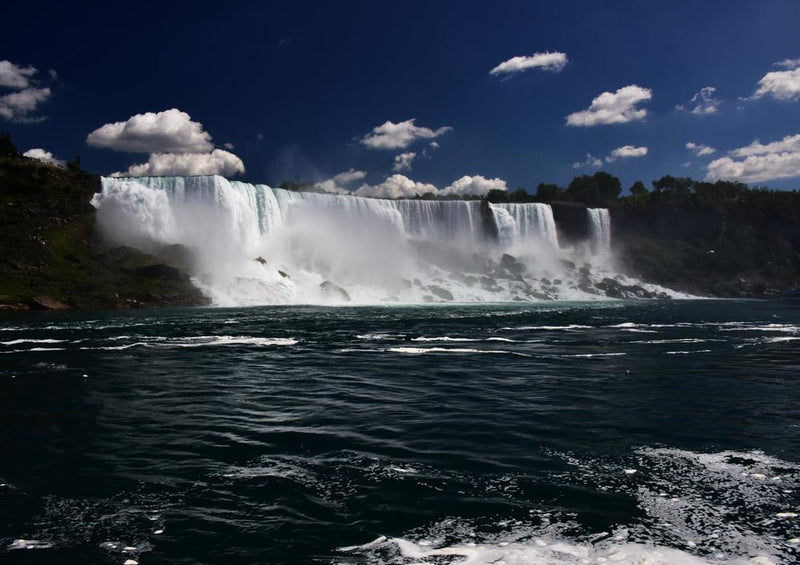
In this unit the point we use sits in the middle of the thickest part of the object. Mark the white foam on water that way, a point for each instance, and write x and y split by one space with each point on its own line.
19 341
426 350
34 349
199 341
380 336
444 338
687 352
549 328
589 355
677 340
542 551
743 326
724 508
29 544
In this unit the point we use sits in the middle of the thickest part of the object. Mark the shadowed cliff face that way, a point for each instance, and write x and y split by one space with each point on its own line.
746 243
51 258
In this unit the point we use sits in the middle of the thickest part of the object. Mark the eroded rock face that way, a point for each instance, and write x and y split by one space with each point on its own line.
47 303
334 291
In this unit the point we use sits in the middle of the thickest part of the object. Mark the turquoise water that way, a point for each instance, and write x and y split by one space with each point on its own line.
611 432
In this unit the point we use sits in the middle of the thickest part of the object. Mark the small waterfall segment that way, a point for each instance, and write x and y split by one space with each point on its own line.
252 244
518 224
600 230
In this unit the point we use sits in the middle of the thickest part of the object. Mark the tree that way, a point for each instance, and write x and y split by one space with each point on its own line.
519 195
674 185
547 192
75 164
600 189
497 195
638 188
7 148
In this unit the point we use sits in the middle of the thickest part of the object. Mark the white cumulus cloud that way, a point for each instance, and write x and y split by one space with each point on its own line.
703 103
396 186
400 135
20 106
477 185
403 162
42 155
591 162
548 61
782 85
336 183
400 186
170 131
700 149
759 162
217 162
14 76
788 63
626 152
613 107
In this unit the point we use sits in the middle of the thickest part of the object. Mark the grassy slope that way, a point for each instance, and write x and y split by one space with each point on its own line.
49 247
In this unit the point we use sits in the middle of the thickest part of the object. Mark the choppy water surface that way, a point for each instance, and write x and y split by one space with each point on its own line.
650 433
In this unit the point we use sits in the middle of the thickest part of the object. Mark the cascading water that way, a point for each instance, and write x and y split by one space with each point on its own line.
524 223
252 244
600 230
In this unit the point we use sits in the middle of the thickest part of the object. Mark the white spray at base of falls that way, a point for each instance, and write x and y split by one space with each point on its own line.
252 244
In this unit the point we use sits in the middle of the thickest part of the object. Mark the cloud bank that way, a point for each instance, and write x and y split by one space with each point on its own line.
218 162
703 103
590 162
338 182
700 149
42 155
20 106
403 162
759 162
14 76
626 152
781 85
553 62
400 135
613 108
400 186
170 131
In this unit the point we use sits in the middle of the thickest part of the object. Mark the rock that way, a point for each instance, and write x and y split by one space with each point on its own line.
511 264
442 293
261 260
568 265
47 303
611 287
334 291
286 275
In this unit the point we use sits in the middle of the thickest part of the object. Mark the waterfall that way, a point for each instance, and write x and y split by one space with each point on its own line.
523 223
600 229
253 244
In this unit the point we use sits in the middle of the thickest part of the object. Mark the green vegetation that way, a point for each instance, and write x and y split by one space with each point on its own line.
50 256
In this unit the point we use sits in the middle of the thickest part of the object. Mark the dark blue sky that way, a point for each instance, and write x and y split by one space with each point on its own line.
294 86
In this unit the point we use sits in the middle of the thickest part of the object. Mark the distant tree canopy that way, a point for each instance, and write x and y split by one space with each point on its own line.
7 147
75 164
638 188
598 190
548 192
